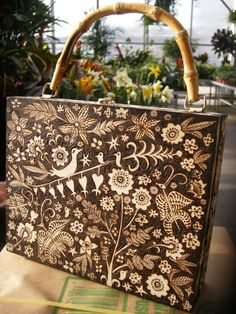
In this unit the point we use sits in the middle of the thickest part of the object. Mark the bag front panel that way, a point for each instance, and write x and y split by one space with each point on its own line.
118 195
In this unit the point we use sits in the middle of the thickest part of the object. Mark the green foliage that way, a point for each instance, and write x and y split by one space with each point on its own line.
206 71
232 17
99 40
167 5
226 74
171 48
224 44
22 49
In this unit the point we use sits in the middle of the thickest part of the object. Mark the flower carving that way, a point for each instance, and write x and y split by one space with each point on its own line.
26 232
87 246
157 285
120 181
60 155
141 198
172 133
78 124
18 128
142 127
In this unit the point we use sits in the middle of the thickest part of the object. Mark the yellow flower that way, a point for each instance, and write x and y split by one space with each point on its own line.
157 88
147 92
155 70
86 84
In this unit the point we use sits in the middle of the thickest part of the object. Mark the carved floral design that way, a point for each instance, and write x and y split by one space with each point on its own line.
114 195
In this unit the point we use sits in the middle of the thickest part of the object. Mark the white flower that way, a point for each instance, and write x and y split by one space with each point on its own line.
165 267
87 246
122 78
157 88
133 95
60 155
196 211
120 181
157 285
26 232
141 198
29 251
107 203
167 94
172 133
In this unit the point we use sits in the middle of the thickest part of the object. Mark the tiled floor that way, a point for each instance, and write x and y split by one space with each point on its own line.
226 205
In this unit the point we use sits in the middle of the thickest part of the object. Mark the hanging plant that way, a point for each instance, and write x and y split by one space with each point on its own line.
232 17
167 5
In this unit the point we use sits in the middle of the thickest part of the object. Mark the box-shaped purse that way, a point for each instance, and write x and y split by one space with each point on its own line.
126 200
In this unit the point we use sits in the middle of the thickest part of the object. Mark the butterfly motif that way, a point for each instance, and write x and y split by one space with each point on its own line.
53 242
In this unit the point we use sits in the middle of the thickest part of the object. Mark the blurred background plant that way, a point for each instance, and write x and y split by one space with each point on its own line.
25 57
89 80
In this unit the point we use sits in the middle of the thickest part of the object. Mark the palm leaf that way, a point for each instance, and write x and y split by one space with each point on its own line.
41 111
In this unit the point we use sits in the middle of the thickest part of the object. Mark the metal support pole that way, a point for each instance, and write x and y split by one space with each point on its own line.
53 28
191 22
97 4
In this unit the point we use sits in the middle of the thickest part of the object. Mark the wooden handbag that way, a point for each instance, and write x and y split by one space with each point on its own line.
127 201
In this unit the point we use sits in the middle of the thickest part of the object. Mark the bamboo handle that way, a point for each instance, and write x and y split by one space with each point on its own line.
155 13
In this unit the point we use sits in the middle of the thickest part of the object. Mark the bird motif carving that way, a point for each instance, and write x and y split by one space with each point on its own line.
70 169
118 159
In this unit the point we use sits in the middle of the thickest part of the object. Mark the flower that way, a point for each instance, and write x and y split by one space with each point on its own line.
77 212
197 188
147 92
157 88
107 203
141 219
85 84
133 95
18 128
174 248
77 124
191 241
157 233
157 285
165 267
87 246
128 210
135 278
196 211
208 139
126 286
190 145
187 306
172 133
141 198
187 164
167 94
19 155
120 181
26 232
197 226
155 70
29 251
76 227
143 127
121 113
68 266
60 155
144 179
96 143
173 299
35 146
122 78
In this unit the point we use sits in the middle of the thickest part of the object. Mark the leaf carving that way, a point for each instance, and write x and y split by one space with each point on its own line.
42 110
182 280
105 127
53 242
36 169
194 128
